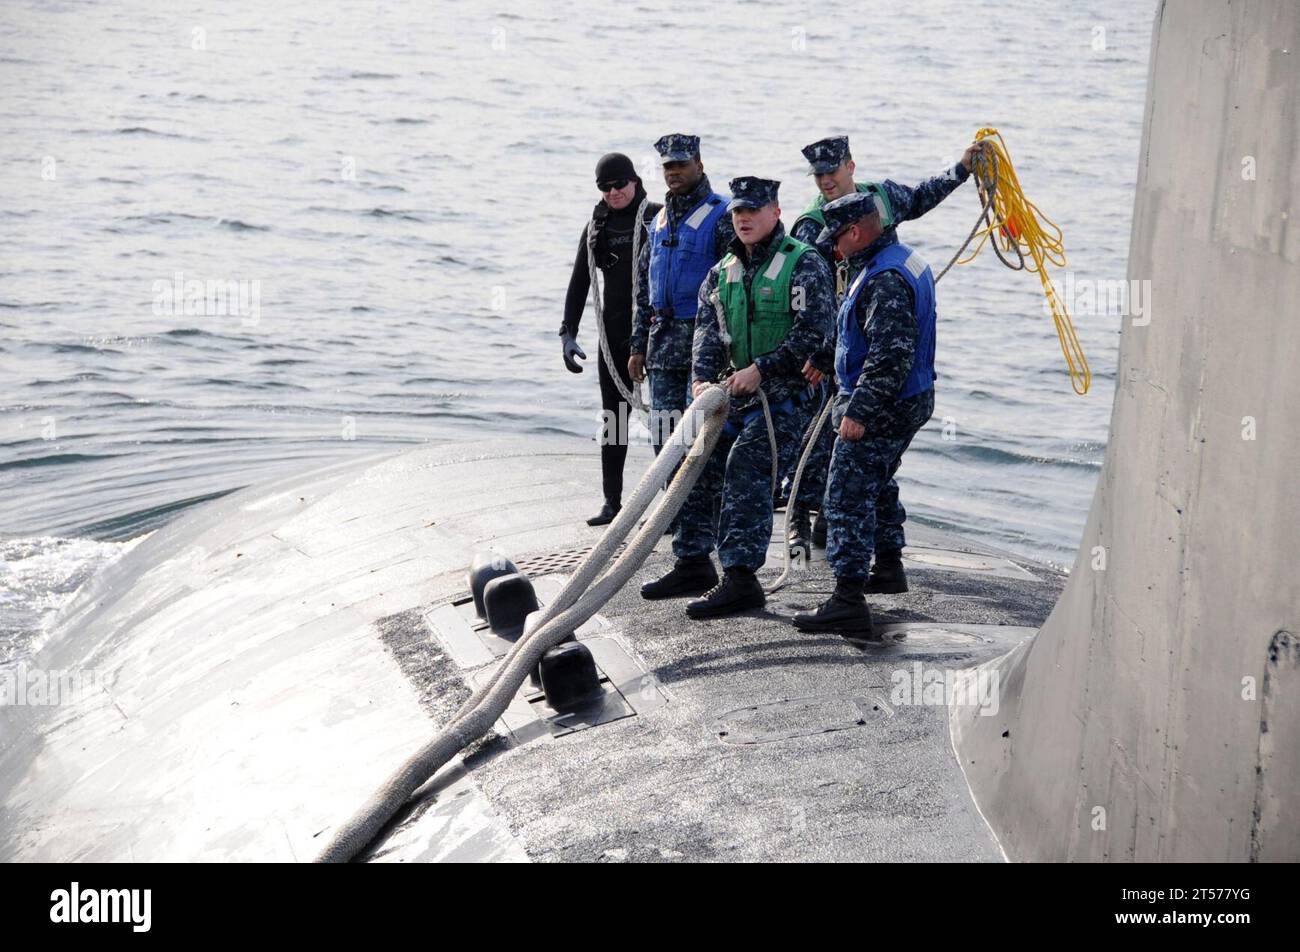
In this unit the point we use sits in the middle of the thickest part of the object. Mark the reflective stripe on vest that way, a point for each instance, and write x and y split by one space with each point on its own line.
851 342
680 260
760 316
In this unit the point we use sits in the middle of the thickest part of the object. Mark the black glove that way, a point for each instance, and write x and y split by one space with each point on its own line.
570 349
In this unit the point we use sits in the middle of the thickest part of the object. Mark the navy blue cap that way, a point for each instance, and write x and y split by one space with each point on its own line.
846 210
751 192
677 147
826 155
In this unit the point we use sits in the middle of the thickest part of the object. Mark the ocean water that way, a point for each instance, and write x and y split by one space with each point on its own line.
396 190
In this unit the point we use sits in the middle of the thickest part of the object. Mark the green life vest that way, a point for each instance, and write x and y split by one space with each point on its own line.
814 209
758 317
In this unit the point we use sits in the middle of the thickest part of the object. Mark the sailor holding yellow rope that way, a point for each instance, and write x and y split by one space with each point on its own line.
832 167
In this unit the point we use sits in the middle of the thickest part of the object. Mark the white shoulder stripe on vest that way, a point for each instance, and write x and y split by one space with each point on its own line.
915 264
773 269
701 213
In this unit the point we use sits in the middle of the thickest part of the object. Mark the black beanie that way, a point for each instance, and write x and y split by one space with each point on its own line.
615 166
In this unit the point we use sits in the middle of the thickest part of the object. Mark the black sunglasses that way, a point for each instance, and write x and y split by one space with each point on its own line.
612 186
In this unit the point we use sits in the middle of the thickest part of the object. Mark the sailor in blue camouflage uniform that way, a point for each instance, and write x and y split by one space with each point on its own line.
831 164
686 238
763 310
884 366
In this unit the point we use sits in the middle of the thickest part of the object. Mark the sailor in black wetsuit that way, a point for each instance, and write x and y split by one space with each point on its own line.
611 233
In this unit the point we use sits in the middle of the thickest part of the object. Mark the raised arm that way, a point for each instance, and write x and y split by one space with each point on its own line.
910 203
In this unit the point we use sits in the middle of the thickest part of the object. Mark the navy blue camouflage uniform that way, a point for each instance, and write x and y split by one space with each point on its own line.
666 343
907 204
863 509
738 473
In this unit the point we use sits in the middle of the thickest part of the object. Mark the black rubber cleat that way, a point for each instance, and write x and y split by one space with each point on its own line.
844 613
569 677
887 575
486 566
739 591
606 514
693 576
800 532
819 530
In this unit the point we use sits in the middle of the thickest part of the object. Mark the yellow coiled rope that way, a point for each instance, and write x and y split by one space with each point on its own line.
1016 225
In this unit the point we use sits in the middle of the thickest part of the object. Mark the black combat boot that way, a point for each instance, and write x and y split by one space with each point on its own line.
819 530
844 613
693 575
606 514
800 529
887 575
738 591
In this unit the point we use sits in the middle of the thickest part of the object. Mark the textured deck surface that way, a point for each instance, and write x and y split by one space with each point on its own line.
267 659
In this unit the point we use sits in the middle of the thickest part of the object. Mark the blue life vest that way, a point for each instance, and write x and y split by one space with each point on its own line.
680 260
851 345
